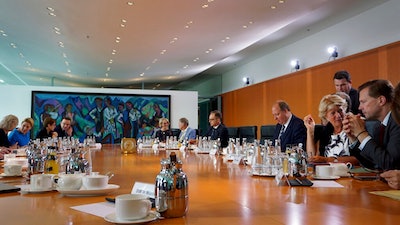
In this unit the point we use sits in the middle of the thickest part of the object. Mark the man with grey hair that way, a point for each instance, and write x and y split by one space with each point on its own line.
186 133
290 129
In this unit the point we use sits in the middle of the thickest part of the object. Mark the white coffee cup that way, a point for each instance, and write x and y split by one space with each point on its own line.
41 181
12 169
95 181
341 169
132 206
324 171
69 181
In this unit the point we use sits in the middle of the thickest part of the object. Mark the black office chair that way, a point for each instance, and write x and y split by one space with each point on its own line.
233 132
248 132
175 132
267 133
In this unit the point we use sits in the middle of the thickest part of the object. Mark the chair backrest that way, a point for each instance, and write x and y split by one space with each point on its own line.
233 132
267 133
175 132
248 132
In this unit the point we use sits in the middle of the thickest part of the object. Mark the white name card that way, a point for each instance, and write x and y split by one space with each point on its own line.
238 160
144 189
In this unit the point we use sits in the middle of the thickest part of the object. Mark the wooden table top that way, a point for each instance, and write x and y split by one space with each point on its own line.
219 193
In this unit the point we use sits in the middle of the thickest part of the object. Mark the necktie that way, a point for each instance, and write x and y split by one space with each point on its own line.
281 131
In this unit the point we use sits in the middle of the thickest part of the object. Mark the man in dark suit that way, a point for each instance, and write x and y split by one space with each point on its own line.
342 82
217 129
378 149
290 129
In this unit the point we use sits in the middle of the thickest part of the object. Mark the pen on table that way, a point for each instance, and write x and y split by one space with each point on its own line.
298 180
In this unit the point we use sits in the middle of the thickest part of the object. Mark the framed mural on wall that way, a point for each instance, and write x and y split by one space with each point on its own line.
108 117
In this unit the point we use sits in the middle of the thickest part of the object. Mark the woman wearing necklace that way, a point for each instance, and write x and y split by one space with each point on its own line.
164 131
332 141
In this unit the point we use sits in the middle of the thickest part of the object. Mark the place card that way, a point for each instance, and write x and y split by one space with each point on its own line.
144 189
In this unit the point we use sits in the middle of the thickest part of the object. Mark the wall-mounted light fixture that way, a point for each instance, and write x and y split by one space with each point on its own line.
295 65
333 52
246 81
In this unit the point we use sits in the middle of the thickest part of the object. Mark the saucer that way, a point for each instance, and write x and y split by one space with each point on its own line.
10 175
27 189
89 192
325 178
113 219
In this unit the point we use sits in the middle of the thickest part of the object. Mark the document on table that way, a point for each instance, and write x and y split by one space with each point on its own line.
393 194
326 183
100 209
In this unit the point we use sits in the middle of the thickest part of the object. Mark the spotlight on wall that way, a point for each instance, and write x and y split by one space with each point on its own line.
246 81
333 52
295 65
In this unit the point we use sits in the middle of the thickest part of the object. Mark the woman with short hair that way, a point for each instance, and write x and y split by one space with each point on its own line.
21 136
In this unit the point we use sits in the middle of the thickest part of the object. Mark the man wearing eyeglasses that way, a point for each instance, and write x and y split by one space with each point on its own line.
217 129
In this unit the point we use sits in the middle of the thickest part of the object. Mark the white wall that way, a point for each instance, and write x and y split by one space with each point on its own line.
17 100
370 29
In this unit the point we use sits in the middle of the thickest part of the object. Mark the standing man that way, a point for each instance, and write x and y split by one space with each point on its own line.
290 129
217 129
377 149
64 129
186 133
342 81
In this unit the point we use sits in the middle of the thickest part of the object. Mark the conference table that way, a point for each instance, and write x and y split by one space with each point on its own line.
220 192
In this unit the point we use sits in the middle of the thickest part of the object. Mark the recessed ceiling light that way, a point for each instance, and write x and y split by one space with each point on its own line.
147 68
178 72
1 81
66 63
154 61
4 34
106 74
250 22
108 68
186 66
273 7
204 6
69 71
281 1
130 3
27 62
117 41
13 45
1 31
244 26
56 28
64 55
163 52
21 55
52 14
122 25
111 61
210 0
142 74
50 9
118 38
123 20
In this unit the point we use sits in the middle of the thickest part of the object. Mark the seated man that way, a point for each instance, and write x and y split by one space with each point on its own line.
64 129
217 129
377 149
186 133
290 129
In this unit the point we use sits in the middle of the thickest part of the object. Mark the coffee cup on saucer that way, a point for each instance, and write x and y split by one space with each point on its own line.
324 171
41 182
12 170
69 181
95 181
132 206
341 169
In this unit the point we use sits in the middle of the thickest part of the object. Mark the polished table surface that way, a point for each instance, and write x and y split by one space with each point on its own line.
219 193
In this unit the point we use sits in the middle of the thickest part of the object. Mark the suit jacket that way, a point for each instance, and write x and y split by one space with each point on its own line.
221 132
355 103
190 134
295 133
387 156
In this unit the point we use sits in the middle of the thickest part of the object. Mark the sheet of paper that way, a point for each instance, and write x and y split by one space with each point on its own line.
394 194
326 183
100 209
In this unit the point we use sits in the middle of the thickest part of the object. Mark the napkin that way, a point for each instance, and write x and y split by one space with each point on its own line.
100 209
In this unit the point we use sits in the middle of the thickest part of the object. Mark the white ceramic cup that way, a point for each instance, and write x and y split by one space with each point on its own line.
41 181
69 181
341 169
324 171
95 181
12 169
132 206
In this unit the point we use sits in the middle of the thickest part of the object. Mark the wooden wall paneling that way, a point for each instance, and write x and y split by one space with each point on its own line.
393 63
304 89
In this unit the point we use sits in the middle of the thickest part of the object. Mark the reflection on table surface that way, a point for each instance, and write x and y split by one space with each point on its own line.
219 193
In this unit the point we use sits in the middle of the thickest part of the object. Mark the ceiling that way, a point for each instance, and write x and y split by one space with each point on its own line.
149 43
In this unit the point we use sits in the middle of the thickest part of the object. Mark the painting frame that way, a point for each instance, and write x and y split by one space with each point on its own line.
107 116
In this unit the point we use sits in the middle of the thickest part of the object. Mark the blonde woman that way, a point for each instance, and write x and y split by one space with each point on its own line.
7 124
21 135
332 143
164 131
